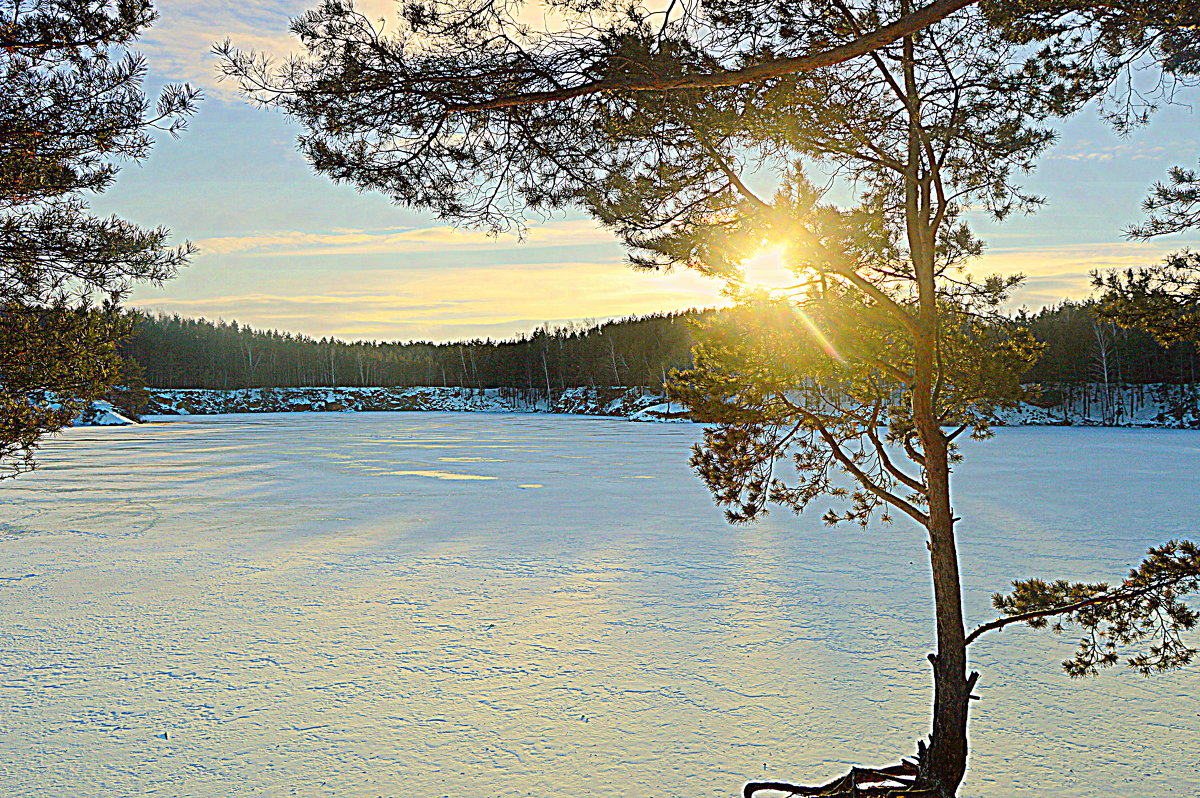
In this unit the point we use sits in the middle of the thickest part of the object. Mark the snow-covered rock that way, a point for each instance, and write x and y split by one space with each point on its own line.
664 411
206 401
1160 405
1099 405
621 402
615 401
101 414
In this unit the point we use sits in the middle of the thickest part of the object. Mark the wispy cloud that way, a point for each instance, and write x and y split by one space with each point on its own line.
1122 150
1057 273
180 42
479 298
438 304
402 239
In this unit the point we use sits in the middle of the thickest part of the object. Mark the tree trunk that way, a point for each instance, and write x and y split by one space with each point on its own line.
944 762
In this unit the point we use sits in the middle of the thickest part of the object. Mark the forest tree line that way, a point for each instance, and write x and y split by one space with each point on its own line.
1082 347
176 352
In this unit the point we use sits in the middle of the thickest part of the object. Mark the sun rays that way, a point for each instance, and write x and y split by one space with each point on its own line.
768 272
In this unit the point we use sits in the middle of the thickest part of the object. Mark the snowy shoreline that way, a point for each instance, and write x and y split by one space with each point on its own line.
636 404
1094 405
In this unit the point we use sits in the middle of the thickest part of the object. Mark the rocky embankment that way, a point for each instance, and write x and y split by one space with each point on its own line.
1174 406
637 404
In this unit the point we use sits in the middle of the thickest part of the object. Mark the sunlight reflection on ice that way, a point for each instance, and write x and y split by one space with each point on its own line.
435 475
234 606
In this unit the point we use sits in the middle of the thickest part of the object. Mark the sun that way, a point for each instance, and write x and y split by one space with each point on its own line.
768 270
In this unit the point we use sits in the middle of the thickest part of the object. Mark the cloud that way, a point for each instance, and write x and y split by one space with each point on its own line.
437 304
179 44
1123 151
1098 255
478 297
1063 272
396 240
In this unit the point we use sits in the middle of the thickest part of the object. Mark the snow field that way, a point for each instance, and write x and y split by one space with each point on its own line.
515 605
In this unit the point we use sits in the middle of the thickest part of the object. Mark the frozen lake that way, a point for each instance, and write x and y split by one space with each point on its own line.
507 605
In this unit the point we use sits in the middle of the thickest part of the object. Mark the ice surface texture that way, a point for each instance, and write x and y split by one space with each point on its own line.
338 604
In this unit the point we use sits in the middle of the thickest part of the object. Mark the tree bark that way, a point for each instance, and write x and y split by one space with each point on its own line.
944 762
946 759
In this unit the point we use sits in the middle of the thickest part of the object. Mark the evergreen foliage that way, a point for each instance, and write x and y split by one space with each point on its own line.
1173 205
1107 41
1163 300
1082 344
1094 46
468 110
53 359
174 352
827 386
1147 609
71 110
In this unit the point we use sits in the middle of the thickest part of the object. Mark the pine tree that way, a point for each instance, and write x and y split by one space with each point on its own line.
1101 43
71 109
880 355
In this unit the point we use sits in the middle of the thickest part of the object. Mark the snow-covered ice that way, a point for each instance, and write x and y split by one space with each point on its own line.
446 604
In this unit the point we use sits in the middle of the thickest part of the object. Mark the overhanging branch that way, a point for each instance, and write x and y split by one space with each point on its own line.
1107 597
764 70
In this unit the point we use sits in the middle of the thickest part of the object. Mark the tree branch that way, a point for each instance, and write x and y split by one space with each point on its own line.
864 479
1049 612
764 70
1000 623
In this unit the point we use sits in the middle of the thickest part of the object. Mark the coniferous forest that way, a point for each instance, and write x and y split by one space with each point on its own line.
1080 347
175 352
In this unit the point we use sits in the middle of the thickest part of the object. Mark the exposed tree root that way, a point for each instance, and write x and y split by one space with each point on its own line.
900 781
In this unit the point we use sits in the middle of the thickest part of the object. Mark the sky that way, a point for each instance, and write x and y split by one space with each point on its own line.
281 247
